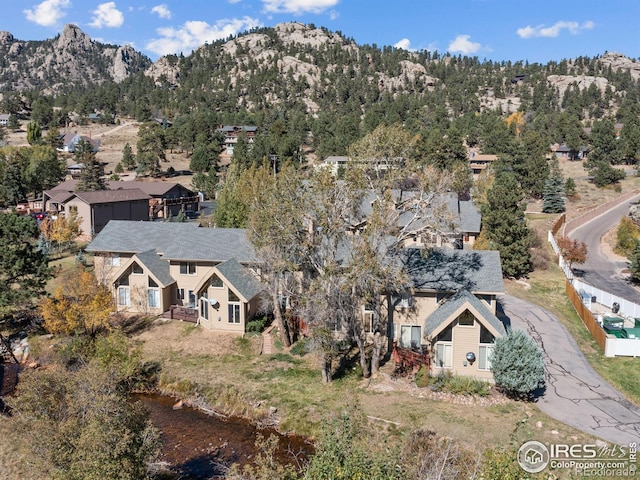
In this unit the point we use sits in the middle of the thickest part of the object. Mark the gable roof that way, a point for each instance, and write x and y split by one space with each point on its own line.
111 196
470 217
240 279
440 319
175 241
155 189
448 270
158 267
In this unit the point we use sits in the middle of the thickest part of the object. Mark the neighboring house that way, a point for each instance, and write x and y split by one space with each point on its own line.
166 198
479 162
70 140
96 209
158 267
460 229
337 162
4 119
231 133
450 311
94 117
567 153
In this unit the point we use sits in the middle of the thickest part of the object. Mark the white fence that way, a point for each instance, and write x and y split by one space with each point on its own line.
614 347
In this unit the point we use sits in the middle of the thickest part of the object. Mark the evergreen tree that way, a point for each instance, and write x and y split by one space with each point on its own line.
128 158
553 193
34 133
517 364
505 226
91 173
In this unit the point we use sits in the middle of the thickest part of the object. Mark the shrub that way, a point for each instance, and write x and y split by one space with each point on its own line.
257 325
517 364
627 235
300 348
422 377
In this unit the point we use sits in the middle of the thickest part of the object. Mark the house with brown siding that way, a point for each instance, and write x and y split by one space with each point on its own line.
209 274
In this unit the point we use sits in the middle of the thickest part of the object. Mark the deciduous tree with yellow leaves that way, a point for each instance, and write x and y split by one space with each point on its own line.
80 304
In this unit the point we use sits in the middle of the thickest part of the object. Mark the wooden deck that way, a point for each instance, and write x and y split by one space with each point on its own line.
185 314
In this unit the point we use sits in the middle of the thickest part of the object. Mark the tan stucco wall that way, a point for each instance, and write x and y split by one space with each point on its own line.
219 315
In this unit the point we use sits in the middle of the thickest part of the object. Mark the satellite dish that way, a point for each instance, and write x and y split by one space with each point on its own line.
213 302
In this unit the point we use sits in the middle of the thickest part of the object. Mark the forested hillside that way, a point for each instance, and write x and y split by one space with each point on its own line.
307 87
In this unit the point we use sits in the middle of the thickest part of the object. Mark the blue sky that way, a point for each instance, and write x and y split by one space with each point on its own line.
533 30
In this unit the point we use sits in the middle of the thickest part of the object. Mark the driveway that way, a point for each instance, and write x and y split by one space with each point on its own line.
599 270
575 394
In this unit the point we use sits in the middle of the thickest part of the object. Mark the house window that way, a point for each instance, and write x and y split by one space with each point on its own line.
204 308
444 355
406 301
112 260
136 269
368 317
124 295
234 313
73 210
234 307
483 358
187 268
216 281
153 294
180 293
486 347
466 319
192 299
410 336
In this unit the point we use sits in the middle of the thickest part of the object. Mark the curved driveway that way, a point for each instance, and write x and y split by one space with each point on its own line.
575 394
599 270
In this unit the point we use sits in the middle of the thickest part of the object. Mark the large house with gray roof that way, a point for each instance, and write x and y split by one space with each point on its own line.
158 267
450 311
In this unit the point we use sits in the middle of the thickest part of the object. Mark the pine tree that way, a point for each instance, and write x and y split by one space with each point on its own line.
635 263
553 193
505 226
91 174
128 158
34 133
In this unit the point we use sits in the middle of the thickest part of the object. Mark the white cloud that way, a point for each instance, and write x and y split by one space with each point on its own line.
462 44
195 33
162 10
48 12
554 30
405 44
298 6
107 15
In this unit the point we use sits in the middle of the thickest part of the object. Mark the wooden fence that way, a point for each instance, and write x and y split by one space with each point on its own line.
559 223
587 317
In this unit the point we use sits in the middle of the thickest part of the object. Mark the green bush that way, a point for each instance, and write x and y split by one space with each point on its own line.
445 381
627 235
422 377
300 348
257 325
517 364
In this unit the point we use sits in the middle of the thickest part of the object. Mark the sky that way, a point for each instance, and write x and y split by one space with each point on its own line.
531 30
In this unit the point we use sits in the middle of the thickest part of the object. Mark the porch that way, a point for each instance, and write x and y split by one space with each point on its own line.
185 314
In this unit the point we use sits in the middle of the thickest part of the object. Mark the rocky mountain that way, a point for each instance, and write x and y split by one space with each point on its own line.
71 58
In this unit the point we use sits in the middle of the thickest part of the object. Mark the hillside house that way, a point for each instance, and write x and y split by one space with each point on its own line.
96 209
450 311
70 140
568 153
479 162
205 275
166 198
4 119
231 133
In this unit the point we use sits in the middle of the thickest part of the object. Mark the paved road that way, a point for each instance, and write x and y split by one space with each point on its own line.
599 270
575 394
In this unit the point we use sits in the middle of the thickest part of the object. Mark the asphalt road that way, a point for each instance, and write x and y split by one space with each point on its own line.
575 394
599 270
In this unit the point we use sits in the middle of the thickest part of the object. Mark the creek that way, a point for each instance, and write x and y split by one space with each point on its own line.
200 446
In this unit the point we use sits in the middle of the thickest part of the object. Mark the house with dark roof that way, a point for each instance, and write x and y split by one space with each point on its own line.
207 274
568 153
96 209
4 119
231 133
166 198
448 314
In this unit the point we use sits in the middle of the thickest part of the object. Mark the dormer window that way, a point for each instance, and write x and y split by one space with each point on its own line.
187 268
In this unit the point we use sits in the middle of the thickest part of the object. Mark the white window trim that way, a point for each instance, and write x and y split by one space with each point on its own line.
187 264
489 348
444 345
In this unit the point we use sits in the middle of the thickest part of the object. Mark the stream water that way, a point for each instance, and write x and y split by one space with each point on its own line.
200 446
